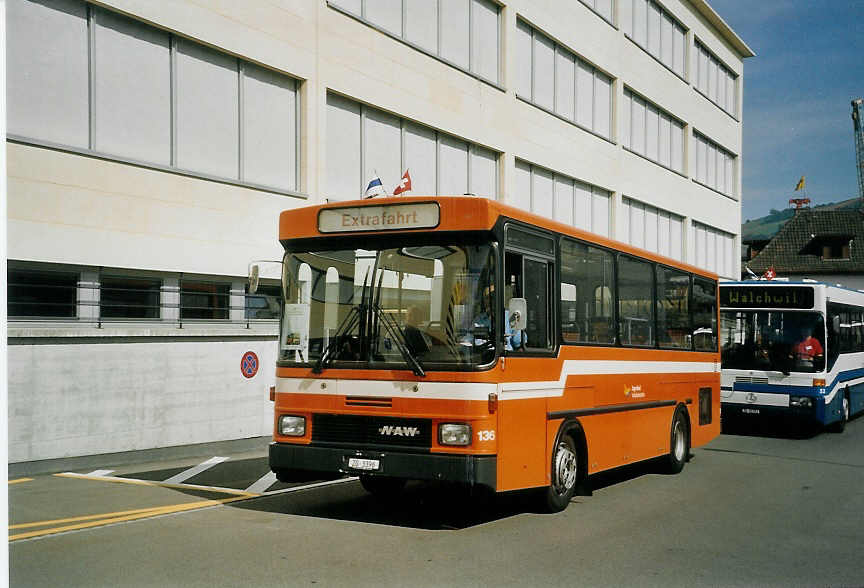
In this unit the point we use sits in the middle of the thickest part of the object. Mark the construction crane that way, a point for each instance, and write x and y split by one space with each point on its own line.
858 127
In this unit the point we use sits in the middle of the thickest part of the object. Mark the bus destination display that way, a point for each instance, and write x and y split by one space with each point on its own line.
766 297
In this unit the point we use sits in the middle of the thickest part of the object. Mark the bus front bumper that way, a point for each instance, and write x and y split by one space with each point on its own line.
295 463
792 415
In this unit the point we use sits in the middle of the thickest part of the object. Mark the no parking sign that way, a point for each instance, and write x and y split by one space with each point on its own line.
249 364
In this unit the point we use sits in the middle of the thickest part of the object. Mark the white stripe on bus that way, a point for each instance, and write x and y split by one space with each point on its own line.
480 390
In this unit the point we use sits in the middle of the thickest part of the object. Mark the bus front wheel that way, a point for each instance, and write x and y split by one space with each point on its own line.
564 475
679 443
840 426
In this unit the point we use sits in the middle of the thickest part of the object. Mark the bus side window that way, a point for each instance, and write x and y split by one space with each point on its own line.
529 278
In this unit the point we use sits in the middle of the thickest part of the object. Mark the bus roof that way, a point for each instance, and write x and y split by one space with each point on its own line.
455 213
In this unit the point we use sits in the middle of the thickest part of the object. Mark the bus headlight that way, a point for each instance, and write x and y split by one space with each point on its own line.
454 434
292 426
801 401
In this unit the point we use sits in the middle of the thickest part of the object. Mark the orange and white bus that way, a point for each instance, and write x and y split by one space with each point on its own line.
464 340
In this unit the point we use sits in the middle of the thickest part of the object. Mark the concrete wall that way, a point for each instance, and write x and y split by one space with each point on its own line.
74 396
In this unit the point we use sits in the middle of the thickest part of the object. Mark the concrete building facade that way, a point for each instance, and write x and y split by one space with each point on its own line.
151 146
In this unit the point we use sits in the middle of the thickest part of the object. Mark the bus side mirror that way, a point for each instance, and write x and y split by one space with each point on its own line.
253 278
518 308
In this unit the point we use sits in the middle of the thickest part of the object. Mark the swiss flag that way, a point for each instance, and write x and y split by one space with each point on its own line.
770 274
404 185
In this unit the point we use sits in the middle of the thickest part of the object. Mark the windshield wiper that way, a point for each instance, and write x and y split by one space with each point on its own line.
396 333
356 316
399 339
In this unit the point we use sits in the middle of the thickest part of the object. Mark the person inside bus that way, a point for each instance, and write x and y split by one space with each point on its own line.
808 351
514 339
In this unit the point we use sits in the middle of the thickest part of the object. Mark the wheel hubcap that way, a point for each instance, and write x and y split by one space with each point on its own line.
678 441
566 468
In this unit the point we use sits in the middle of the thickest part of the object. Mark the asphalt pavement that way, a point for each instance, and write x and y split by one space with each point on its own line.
762 508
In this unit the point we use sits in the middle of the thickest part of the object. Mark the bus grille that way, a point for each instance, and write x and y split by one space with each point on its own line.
370 431
751 380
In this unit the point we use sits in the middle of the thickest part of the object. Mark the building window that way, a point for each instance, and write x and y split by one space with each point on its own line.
552 77
464 33
715 167
266 303
712 249
363 142
562 198
187 107
836 250
602 7
645 226
41 294
204 300
657 32
129 298
652 132
714 80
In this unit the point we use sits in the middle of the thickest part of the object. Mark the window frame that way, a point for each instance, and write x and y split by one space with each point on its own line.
552 261
653 298
613 325
90 149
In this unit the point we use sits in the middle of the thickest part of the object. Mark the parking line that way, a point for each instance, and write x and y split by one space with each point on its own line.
19 480
185 475
100 472
87 517
263 483
87 522
129 517
165 484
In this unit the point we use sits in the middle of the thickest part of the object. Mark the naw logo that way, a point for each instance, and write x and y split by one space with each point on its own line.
391 431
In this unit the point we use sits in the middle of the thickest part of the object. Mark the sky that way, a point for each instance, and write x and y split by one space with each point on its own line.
808 67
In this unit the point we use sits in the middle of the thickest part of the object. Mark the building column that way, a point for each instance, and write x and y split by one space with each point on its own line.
169 300
88 296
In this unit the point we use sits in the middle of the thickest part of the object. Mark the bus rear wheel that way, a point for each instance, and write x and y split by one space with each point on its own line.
565 476
679 443
381 486
840 426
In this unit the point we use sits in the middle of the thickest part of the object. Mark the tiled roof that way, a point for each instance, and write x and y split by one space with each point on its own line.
795 249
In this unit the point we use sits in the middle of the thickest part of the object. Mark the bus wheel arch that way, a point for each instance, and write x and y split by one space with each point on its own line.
679 441
568 467
845 409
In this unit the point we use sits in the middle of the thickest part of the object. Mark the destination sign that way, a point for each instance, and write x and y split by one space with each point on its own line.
766 297
379 218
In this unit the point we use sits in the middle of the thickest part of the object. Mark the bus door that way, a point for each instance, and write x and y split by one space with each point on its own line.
529 261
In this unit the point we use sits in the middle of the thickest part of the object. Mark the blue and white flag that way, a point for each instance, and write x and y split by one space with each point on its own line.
375 188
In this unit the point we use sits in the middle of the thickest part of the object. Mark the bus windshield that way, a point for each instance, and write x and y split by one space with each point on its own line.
424 306
771 340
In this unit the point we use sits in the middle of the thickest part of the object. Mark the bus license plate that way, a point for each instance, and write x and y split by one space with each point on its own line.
363 464
750 410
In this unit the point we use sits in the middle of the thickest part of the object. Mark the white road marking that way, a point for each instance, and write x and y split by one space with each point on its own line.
309 486
152 483
262 484
201 467
100 473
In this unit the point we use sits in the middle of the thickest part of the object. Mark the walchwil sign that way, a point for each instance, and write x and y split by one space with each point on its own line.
379 218
766 296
